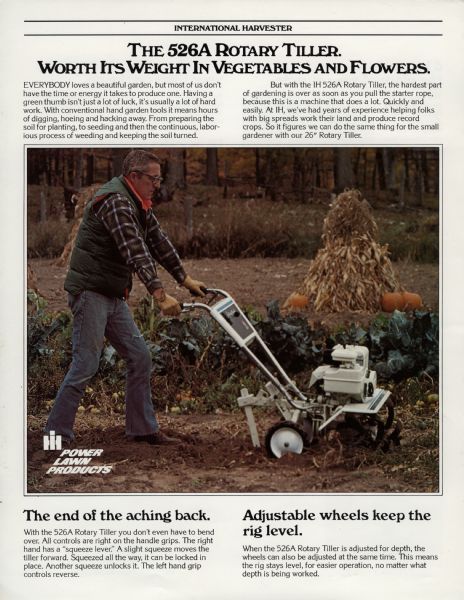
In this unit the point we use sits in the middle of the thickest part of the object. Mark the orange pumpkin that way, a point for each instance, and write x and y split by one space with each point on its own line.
392 301
400 301
412 301
296 301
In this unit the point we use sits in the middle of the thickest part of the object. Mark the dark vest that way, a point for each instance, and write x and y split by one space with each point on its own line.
96 264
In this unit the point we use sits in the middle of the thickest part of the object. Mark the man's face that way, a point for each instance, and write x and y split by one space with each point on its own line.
143 181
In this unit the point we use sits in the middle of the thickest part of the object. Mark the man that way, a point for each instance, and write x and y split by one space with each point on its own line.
119 234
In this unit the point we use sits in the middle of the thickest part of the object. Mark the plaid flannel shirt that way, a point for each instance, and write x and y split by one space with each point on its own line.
118 216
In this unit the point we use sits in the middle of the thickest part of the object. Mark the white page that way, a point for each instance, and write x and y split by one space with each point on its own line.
429 40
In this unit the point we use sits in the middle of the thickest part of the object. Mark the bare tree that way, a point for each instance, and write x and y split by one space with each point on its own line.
175 170
117 158
343 169
212 166
78 173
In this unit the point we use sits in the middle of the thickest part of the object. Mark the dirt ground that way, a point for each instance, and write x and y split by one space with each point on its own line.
251 281
216 454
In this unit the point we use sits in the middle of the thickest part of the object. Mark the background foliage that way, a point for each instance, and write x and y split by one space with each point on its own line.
198 367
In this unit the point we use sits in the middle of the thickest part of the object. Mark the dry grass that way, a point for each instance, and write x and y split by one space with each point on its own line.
47 239
82 199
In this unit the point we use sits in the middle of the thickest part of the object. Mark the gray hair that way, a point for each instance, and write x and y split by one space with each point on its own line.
138 160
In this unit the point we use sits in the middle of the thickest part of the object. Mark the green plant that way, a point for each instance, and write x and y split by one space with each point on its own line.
195 360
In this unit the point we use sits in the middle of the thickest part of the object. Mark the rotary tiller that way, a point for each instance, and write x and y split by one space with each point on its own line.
341 394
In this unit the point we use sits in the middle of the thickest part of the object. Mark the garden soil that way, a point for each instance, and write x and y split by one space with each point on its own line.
216 456
251 281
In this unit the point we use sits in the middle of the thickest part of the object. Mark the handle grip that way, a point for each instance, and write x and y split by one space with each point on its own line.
203 288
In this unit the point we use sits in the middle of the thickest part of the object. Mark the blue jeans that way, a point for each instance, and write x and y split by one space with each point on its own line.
97 317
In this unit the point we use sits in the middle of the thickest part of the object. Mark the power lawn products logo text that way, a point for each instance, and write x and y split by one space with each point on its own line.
73 460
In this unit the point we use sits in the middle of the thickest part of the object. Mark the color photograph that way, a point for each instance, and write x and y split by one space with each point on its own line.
233 320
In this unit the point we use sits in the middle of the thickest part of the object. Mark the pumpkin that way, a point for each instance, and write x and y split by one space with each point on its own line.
412 301
400 301
392 301
296 301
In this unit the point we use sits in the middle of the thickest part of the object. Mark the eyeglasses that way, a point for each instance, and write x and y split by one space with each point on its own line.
154 179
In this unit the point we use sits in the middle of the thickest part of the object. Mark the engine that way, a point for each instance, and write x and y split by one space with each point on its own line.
348 374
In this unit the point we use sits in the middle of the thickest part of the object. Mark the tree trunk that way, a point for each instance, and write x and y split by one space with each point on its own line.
401 173
212 166
406 170
43 197
425 170
79 169
271 174
70 169
388 160
175 170
382 173
226 173
356 166
90 170
259 174
188 215
343 175
297 179
117 158
418 179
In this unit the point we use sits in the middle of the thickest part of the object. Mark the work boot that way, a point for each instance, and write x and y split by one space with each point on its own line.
157 439
67 443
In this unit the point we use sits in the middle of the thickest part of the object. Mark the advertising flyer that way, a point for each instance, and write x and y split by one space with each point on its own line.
231 321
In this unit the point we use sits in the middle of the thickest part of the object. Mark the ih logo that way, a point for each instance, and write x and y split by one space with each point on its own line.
52 441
